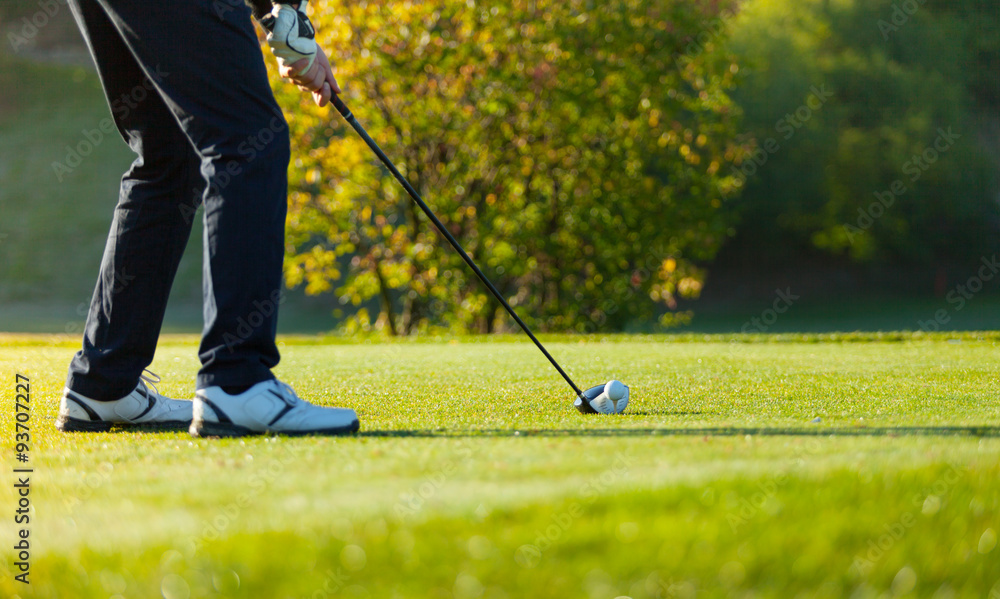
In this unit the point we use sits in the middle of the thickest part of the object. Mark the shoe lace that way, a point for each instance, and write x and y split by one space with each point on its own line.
148 379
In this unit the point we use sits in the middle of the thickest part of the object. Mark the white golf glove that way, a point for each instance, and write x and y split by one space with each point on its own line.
290 35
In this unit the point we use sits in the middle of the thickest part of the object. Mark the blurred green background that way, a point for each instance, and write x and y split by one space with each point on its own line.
843 152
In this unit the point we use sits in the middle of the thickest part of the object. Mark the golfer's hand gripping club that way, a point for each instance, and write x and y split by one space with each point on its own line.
291 36
292 39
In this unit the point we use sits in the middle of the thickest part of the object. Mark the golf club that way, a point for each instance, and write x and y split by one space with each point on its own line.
603 399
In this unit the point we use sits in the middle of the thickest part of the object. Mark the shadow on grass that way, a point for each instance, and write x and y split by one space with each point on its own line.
669 413
886 431
715 431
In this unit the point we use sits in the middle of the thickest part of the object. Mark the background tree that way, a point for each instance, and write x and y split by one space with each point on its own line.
565 144
899 72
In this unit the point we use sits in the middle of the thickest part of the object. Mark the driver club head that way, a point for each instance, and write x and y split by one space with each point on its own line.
596 400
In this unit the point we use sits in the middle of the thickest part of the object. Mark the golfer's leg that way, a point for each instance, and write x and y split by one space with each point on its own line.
215 83
151 224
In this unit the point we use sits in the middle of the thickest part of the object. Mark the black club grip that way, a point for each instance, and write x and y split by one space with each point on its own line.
340 106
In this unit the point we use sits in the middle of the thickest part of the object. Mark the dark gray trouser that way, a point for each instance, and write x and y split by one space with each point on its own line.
189 93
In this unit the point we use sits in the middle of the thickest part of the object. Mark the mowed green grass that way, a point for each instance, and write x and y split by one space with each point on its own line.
473 476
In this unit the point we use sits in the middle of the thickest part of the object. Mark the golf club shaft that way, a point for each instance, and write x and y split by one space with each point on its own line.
353 122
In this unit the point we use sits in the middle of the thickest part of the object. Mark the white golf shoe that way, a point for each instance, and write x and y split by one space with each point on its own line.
267 407
142 408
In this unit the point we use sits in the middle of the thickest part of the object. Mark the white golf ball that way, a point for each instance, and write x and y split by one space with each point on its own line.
615 390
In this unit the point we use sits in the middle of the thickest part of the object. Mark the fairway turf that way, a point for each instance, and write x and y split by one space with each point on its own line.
474 477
